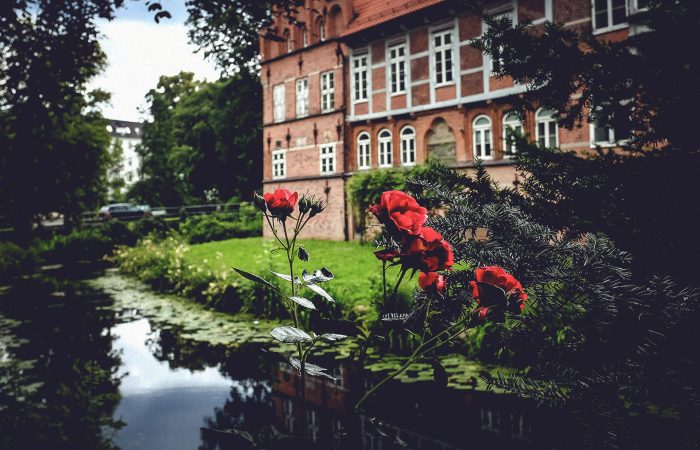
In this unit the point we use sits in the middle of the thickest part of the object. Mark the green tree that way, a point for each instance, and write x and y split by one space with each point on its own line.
52 135
160 183
638 196
218 129
115 165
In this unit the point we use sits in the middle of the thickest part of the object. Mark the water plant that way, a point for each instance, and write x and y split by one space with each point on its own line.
278 209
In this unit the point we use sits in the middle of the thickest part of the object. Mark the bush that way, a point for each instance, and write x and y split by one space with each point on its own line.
14 260
90 243
218 227
154 227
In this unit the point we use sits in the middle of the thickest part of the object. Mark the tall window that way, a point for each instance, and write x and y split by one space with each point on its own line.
327 91
608 14
279 164
546 128
288 39
359 77
278 102
482 137
364 151
321 30
408 146
512 126
606 136
497 58
327 159
385 148
302 97
305 37
442 47
397 68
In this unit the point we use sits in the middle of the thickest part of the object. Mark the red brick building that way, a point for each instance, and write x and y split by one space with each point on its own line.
354 85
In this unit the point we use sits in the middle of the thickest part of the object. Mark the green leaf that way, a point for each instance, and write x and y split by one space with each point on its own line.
320 276
305 302
256 279
333 337
320 291
290 335
286 277
303 254
311 369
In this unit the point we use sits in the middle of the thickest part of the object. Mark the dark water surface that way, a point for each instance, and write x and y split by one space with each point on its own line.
78 371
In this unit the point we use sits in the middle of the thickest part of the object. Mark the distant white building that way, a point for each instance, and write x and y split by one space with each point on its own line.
128 134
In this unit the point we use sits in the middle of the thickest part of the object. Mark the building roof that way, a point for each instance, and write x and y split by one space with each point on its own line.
369 13
125 129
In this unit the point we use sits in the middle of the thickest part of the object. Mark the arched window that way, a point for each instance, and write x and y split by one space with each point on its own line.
335 21
288 41
408 146
364 151
512 126
547 134
482 137
385 148
321 30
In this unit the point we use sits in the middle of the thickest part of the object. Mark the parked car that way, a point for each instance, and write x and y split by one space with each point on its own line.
124 211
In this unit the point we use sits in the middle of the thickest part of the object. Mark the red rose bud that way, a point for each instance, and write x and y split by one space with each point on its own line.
387 254
428 252
400 213
432 280
281 203
496 287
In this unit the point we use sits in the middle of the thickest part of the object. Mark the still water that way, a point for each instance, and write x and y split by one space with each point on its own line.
79 371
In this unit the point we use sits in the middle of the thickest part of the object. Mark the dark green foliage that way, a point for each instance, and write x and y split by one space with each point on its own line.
14 260
641 198
53 138
221 226
595 341
365 189
149 226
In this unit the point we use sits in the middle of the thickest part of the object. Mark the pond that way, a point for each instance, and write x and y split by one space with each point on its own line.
90 359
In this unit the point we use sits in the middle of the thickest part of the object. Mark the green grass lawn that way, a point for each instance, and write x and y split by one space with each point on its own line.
357 271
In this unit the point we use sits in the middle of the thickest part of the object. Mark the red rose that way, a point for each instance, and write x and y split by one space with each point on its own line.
387 254
428 252
432 280
400 213
281 202
495 276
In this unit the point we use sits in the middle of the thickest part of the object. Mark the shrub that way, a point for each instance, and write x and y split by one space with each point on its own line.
14 260
221 226
90 243
154 227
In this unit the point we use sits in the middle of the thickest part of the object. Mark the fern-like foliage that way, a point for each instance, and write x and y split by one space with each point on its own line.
597 342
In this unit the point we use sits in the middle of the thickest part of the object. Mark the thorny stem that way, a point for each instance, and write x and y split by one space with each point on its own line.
417 354
425 322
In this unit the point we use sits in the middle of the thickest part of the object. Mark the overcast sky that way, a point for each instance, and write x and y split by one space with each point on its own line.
139 51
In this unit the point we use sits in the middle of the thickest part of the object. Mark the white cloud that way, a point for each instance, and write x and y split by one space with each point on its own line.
138 53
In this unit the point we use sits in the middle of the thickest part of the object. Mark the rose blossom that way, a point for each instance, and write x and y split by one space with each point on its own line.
495 276
428 252
281 202
432 280
400 213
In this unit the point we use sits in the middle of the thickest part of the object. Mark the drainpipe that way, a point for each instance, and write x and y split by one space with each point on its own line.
343 109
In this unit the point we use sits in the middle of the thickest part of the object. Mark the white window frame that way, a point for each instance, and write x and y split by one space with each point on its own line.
408 146
511 121
609 11
327 91
546 120
326 153
482 135
493 67
302 97
278 111
612 141
385 148
279 164
440 52
364 151
397 67
359 67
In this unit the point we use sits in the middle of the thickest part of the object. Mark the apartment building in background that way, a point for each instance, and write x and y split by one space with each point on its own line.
356 85
128 135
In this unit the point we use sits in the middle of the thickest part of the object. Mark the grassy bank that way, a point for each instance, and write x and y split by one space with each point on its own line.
203 272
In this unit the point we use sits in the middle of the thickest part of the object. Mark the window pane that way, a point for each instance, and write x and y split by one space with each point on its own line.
541 135
600 134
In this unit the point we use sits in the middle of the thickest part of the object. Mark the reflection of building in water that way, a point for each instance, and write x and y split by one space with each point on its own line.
418 414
